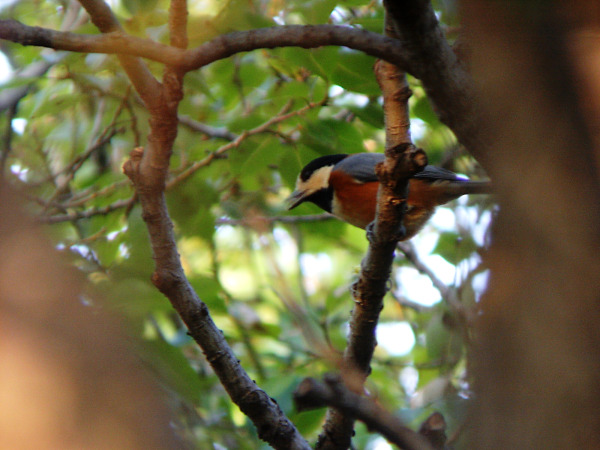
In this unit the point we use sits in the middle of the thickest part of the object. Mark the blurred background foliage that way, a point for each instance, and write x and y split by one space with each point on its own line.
278 286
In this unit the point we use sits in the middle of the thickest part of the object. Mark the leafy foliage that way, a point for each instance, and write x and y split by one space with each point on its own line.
279 292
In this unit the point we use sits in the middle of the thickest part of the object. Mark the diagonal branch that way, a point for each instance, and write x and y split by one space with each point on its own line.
148 171
312 394
448 294
281 116
139 74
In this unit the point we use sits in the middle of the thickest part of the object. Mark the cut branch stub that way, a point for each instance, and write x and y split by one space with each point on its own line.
406 160
402 162
130 167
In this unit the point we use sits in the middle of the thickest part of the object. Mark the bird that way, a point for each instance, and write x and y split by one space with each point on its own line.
346 186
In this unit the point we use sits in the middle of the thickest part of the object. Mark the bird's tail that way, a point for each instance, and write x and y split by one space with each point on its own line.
458 188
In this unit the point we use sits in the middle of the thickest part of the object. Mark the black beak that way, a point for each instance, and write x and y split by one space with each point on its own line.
296 198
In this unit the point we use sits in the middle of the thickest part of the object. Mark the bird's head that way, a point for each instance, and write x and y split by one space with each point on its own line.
312 184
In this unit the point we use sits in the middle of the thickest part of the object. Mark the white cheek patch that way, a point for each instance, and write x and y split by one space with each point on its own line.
318 180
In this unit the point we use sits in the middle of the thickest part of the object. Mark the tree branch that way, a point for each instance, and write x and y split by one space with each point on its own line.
70 217
305 36
312 394
446 81
178 14
116 41
170 279
402 161
148 171
141 78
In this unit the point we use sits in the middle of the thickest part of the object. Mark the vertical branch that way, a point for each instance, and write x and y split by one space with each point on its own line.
402 161
396 94
178 14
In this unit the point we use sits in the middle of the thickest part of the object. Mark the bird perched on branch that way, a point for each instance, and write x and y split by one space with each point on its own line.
346 186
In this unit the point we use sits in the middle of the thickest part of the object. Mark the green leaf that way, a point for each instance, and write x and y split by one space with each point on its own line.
423 110
314 11
372 23
321 61
443 341
190 205
55 104
139 6
139 264
371 113
309 422
135 297
174 368
437 338
354 72
332 136
209 291
454 248
256 160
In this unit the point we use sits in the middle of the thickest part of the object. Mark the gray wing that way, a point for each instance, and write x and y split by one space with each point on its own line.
361 166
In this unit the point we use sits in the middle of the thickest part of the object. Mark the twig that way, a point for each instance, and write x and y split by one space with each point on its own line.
71 169
448 294
312 394
279 219
83 197
280 117
221 133
70 217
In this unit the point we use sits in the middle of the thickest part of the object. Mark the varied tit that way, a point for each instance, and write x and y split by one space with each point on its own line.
346 186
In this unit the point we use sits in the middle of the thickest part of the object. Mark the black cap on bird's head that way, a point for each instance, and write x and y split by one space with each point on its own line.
313 183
